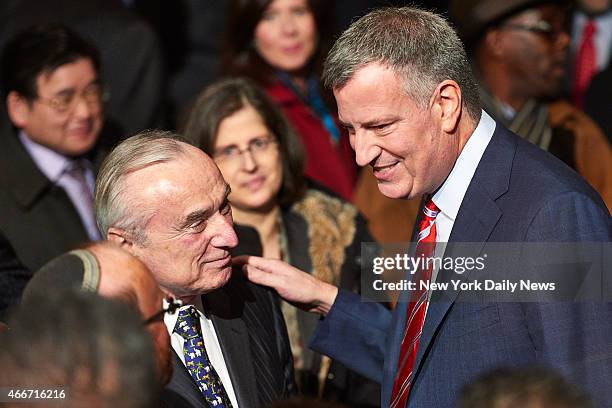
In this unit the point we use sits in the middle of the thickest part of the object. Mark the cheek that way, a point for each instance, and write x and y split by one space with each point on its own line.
277 171
309 30
264 37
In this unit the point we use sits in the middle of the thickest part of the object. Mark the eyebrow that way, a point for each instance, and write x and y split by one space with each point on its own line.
198 215
344 124
195 216
371 123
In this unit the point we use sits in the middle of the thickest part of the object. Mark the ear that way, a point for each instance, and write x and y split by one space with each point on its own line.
121 238
447 105
18 109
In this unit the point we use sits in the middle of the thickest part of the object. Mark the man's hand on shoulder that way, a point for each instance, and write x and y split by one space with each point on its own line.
293 285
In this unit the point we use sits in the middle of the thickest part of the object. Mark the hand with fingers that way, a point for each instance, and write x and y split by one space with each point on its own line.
295 286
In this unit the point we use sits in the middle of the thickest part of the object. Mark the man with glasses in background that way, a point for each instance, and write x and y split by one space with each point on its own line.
54 101
519 51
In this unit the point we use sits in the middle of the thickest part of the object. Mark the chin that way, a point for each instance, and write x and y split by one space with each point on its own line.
224 276
82 146
393 190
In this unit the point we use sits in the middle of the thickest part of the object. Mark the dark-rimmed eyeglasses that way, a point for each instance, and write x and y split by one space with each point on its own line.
171 306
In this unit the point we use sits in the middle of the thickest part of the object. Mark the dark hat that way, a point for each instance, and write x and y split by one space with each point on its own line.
473 17
75 269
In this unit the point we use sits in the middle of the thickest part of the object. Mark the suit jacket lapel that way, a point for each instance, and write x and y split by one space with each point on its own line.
234 341
477 217
183 385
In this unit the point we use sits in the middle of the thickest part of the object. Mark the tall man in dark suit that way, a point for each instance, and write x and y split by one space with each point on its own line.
166 202
408 99
53 96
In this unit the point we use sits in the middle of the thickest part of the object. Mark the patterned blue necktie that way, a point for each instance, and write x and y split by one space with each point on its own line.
197 361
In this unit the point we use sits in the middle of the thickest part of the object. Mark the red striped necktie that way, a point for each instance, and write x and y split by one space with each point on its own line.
415 314
585 65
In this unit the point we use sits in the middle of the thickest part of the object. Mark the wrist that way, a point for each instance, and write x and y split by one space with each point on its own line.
326 299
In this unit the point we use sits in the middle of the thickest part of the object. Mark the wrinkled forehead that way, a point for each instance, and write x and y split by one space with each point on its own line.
169 190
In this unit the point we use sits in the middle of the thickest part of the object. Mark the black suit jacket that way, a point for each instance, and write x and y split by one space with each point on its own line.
13 277
36 217
253 338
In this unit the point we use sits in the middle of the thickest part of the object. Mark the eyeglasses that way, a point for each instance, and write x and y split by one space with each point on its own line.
171 306
94 95
257 147
542 27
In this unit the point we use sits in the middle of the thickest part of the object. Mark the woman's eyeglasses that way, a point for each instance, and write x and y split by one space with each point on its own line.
232 154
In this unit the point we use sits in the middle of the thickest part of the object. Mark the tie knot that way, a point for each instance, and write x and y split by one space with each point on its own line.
590 28
188 323
430 209
76 168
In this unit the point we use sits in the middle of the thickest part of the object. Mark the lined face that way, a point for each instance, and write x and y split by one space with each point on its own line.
286 35
248 157
67 114
404 143
190 232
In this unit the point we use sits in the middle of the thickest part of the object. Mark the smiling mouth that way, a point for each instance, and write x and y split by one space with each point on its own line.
254 184
293 49
226 259
382 173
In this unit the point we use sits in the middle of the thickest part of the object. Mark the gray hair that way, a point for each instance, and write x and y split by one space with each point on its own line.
135 153
418 45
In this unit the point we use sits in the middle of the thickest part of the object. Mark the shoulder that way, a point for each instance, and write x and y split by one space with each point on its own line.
548 198
320 207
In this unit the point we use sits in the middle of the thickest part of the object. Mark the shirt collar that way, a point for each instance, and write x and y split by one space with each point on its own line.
170 319
51 163
449 196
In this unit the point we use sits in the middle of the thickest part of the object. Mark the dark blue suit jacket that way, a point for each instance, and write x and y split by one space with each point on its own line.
519 193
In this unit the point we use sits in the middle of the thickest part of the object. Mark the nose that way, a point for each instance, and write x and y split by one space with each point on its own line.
288 26
563 41
82 108
224 235
365 147
248 161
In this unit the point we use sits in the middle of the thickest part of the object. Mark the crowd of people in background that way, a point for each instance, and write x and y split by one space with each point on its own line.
116 240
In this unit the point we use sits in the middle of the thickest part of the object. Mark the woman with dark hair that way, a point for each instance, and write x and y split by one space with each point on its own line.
281 44
247 136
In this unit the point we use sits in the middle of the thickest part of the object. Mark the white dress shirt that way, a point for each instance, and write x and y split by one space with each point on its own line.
450 195
54 165
211 343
